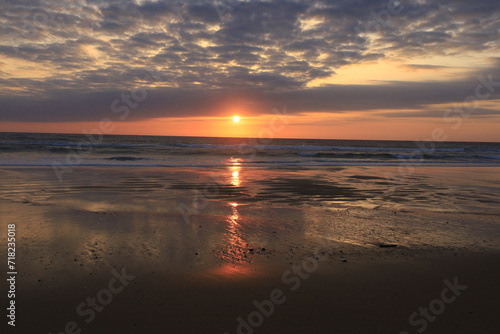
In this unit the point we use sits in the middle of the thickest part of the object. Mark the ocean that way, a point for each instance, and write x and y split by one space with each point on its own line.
40 149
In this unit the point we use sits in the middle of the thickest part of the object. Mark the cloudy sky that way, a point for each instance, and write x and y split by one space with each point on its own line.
353 69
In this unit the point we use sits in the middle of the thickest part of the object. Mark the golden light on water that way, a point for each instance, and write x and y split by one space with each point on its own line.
235 172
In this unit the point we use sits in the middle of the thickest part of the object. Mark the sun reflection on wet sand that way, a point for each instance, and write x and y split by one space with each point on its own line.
236 241
231 270
235 252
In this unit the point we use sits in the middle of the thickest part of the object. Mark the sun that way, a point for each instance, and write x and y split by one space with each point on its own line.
236 119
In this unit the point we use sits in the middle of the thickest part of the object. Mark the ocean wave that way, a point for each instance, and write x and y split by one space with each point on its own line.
303 150
83 143
318 148
126 158
38 149
416 156
488 161
257 147
420 156
307 154
494 157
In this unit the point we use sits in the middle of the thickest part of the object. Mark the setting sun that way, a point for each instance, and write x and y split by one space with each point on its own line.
241 145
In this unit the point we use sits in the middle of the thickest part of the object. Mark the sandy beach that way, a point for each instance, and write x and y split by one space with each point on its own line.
250 167
254 250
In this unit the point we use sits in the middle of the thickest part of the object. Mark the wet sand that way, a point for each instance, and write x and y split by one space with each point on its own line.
352 250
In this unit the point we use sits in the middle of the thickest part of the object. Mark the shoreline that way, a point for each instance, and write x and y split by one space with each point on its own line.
202 274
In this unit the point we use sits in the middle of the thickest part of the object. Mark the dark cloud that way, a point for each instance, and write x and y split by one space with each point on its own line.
439 113
185 100
204 51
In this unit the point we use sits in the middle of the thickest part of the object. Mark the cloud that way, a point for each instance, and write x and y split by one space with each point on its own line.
96 50
439 113
88 105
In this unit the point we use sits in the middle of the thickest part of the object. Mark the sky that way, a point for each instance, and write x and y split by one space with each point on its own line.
346 69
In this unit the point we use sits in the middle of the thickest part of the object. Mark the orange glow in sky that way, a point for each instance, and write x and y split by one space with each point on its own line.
321 126
348 82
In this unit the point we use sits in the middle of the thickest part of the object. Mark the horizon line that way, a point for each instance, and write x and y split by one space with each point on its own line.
135 135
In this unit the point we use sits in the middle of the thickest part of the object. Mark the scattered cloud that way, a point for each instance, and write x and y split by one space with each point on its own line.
264 52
